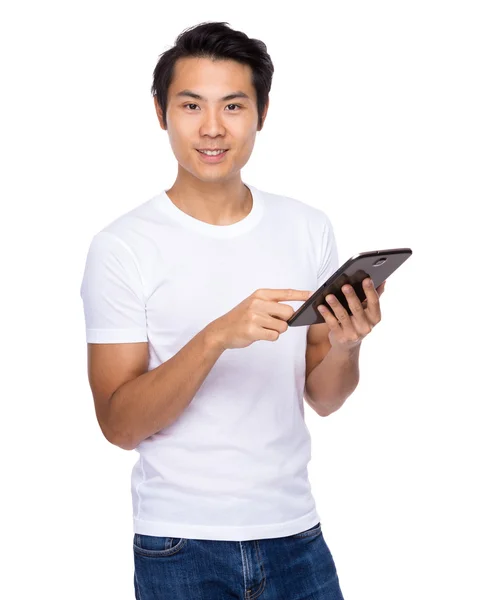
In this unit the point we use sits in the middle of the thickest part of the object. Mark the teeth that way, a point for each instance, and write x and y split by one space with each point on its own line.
212 152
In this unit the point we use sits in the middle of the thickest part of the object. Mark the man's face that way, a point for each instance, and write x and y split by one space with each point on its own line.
211 122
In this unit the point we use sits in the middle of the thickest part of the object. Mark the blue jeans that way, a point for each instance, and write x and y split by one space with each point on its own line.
295 567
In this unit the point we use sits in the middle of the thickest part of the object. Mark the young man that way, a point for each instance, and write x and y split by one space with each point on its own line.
190 359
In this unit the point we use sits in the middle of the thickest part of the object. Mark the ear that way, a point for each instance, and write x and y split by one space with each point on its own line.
158 112
264 114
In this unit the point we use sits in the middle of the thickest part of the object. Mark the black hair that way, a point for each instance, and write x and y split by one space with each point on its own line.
217 41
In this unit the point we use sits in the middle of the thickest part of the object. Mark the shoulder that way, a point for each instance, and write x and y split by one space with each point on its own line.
132 228
291 205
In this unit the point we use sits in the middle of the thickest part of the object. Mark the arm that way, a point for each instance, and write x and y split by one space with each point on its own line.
332 380
152 401
332 354
131 402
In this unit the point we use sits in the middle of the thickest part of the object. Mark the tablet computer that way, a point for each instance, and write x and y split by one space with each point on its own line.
377 264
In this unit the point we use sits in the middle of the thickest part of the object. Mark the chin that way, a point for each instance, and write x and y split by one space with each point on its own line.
208 177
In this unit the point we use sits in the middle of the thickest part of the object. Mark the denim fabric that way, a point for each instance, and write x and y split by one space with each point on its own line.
295 567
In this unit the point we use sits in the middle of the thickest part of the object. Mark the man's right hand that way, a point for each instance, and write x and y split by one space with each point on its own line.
258 317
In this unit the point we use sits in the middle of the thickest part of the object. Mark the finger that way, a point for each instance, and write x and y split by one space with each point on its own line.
340 312
357 309
380 288
276 324
276 309
373 305
330 319
282 294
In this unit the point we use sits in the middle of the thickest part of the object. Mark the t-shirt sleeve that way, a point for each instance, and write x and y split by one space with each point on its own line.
112 293
329 255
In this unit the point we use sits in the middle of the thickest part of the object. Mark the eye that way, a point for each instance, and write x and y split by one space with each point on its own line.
236 105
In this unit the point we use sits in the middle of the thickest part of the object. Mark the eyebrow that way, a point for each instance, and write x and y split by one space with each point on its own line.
190 94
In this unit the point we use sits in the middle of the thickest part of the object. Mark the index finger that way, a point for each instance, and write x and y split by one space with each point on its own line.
284 294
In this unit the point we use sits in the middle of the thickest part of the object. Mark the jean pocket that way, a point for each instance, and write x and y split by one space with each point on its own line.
157 546
314 530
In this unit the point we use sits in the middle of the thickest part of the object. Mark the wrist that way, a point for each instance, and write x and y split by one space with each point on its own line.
214 338
346 351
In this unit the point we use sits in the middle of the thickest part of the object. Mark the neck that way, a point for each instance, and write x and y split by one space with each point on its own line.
217 203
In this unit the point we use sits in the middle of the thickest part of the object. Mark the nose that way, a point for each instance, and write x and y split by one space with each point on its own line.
212 124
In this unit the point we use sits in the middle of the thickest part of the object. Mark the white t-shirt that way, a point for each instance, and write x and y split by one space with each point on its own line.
233 466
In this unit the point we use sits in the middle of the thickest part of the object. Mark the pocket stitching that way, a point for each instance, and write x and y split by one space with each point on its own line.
315 531
160 553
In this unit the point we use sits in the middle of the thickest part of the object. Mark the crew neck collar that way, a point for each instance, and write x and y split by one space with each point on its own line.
219 231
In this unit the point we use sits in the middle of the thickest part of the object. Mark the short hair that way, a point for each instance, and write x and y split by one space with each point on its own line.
217 41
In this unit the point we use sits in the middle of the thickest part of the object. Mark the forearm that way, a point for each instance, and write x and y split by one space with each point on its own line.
333 380
154 400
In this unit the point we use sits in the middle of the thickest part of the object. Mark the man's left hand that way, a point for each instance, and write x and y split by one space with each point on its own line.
346 331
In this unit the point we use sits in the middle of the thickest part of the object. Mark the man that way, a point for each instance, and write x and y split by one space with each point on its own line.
190 358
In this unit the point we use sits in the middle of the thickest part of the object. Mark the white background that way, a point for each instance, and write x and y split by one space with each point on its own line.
384 114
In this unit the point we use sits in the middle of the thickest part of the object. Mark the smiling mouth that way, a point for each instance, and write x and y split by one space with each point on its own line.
218 153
